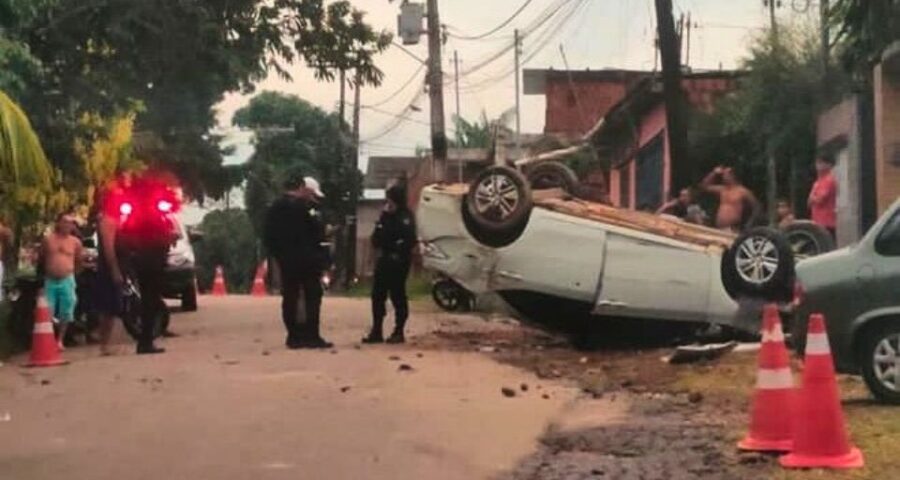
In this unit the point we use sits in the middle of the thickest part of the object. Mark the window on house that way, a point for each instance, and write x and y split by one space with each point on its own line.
649 177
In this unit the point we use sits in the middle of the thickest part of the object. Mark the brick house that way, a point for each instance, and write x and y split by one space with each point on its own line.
862 135
633 139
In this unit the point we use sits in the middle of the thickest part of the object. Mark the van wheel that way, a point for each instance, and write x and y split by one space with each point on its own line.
189 299
548 175
759 264
498 205
808 239
880 356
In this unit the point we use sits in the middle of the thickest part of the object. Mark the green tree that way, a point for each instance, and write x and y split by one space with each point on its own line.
775 106
229 242
477 134
293 134
864 29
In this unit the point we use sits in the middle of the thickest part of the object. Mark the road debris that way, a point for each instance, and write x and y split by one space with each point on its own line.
405 368
266 353
508 392
696 353
231 362
695 397
394 358
523 387
45 382
487 349
345 389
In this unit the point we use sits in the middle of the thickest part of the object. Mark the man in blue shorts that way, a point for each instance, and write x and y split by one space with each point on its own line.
61 253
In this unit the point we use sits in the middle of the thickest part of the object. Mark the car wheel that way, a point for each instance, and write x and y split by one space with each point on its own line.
807 239
189 299
880 360
446 295
548 175
759 265
498 205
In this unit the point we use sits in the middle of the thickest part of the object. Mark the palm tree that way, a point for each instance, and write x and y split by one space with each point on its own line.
22 159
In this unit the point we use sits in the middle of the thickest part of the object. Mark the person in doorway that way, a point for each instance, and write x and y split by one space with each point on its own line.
738 207
785 213
684 207
294 234
394 239
61 254
823 196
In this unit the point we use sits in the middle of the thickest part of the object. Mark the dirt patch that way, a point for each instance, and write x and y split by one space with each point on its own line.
673 427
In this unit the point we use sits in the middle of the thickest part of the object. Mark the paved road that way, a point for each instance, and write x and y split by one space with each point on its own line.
229 402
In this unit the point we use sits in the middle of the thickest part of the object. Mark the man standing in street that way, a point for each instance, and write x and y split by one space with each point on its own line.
738 207
295 235
136 232
394 239
823 197
61 257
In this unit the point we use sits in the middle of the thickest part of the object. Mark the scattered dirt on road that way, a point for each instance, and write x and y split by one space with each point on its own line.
666 428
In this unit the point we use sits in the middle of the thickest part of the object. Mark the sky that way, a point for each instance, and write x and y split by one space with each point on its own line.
600 34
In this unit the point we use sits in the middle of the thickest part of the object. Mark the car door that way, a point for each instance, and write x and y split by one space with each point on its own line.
558 255
887 264
654 277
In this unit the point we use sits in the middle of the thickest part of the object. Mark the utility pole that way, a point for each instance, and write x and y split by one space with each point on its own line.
354 192
458 112
771 168
826 46
683 171
436 92
518 98
687 55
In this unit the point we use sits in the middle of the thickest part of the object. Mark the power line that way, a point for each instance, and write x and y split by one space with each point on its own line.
399 90
498 28
398 116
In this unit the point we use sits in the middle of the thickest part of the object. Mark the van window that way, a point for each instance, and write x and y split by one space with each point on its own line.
888 241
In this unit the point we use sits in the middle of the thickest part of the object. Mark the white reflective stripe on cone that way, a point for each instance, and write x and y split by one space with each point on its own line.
43 327
774 335
817 344
774 379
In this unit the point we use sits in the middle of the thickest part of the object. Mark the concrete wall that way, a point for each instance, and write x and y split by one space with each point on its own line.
596 98
887 135
838 136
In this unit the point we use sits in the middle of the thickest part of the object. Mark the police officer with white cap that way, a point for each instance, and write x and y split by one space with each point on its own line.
295 236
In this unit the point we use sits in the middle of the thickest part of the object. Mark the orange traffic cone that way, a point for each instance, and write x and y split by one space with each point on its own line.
219 289
820 436
259 283
44 350
771 413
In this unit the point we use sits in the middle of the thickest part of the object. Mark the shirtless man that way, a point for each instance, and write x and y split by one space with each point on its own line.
62 258
734 199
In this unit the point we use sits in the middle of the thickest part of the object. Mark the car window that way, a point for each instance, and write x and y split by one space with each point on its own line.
888 241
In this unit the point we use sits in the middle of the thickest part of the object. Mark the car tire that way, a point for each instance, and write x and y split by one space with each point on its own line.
759 265
189 299
808 239
446 294
131 318
497 218
548 175
873 341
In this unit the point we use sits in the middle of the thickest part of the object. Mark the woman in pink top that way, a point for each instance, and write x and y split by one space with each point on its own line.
823 197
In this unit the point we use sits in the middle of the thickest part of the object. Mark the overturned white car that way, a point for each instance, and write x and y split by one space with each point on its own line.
546 253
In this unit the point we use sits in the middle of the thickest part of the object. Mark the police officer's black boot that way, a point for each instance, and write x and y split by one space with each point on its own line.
397 336
376 335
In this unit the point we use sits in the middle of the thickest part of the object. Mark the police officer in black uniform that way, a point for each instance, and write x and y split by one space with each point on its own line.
394 239
295 236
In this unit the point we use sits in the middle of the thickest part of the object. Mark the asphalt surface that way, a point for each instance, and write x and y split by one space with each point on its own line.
228 401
